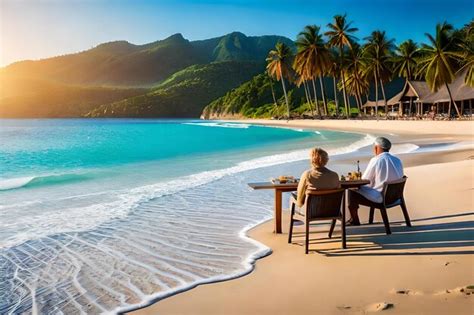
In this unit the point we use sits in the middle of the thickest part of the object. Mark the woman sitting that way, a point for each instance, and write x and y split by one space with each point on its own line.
317 178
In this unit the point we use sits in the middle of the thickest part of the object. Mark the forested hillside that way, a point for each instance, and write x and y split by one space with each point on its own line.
177 76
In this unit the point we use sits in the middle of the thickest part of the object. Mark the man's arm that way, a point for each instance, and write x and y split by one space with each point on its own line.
369 173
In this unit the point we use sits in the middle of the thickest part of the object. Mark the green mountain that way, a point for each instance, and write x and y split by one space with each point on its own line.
123 64
117 72
185 93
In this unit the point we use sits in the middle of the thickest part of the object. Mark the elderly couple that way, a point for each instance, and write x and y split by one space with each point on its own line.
382 168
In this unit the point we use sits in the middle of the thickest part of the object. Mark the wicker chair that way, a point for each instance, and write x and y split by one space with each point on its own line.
392 196
321 205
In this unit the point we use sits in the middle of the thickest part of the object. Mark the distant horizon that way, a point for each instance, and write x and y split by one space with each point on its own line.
32 30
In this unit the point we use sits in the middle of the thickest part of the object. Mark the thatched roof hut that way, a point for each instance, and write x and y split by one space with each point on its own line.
419 94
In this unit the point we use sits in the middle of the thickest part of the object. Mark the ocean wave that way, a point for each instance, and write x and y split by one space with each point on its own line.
125 201
221 125
40 180
403 148
462 145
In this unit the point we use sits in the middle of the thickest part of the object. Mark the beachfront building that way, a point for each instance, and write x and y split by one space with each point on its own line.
416 98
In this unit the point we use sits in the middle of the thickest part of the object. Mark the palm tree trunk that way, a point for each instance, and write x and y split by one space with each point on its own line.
361 104
357 102
384 99
357 97
376 97
308 98
273 93
343 82
344 94
335 95
321 83
286 97
316 99
451 101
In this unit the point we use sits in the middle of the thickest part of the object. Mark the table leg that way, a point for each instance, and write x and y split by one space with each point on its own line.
343 225
277 214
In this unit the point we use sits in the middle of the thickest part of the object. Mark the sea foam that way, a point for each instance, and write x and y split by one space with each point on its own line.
40 180
219 124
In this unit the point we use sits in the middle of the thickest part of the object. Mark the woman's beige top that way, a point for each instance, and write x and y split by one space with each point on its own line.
316 178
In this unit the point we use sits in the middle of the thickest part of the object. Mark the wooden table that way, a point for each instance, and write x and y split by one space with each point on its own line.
281 188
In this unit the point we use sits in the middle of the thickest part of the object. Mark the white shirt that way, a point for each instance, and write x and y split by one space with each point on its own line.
382 168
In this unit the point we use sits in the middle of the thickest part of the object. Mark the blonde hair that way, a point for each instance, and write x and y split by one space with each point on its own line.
318 157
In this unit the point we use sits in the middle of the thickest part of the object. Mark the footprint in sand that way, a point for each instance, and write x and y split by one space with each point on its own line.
467 290
406 292
378 307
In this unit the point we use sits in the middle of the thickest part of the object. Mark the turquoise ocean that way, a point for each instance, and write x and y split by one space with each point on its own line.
100 216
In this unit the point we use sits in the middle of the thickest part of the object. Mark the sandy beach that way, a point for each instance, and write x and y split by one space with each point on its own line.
419 270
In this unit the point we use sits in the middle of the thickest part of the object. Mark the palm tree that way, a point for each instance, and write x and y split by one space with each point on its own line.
439 61
378 53
301 81
279 66
405 60
340 36
268 79
356 82
467 47
299 65
333 71
312 57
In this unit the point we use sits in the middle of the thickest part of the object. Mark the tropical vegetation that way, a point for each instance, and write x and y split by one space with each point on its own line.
358 70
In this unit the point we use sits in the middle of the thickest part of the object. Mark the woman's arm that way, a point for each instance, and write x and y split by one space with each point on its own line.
302 189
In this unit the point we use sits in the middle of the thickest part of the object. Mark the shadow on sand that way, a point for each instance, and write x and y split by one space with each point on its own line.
420 239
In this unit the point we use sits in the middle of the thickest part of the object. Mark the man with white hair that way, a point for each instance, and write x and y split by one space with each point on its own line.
383 167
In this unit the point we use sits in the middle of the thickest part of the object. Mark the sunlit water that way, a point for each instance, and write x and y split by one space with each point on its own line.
107 215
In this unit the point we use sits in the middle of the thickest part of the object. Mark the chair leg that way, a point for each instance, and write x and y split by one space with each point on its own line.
343 232
371 215
383 211
307 237
333 224
405 212
290 234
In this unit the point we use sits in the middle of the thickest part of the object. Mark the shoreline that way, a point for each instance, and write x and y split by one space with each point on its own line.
402 127
173 303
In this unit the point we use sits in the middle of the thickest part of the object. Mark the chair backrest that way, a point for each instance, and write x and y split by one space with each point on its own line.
393 190
323 203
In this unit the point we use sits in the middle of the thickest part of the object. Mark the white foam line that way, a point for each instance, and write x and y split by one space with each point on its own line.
248 264
220 124
449 147
12 183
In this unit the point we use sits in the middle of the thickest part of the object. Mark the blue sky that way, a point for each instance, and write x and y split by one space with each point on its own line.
32 29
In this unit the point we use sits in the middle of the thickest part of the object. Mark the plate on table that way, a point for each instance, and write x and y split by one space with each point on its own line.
284 180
